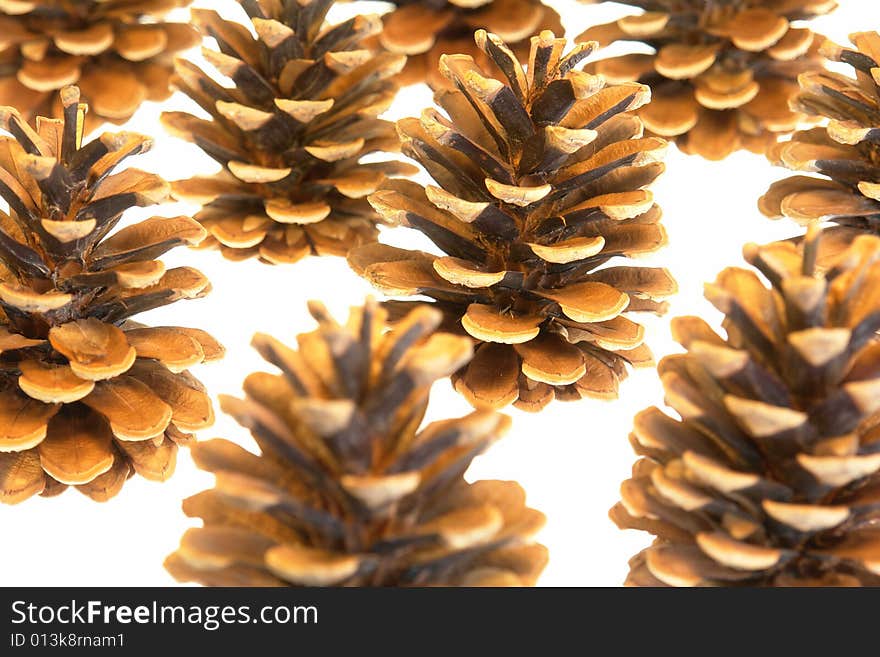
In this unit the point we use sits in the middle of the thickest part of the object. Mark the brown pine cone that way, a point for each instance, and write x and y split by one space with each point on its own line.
721 73
347 489
540 183
291 131
771 476
119 52
846 152
88 397
425 30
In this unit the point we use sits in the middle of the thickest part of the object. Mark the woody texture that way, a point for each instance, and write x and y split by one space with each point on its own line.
425 30
118 52
722 72
348 487
289 132
841 158
540 200
88 397
771 475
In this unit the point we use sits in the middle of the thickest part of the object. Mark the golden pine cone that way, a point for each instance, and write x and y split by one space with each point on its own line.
540 183
425 30
771 476
88 397
291 131
118 52
721 73
846 153
347 489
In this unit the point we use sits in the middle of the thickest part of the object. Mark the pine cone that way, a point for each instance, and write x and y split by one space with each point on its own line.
846 152
425 30
119 52
347 489
87 397
771 476
291 133
541 183
722 73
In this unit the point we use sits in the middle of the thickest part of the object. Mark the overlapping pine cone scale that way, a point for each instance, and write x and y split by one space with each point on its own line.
721 73
290 133
424 31
846 153
348 488
89 397
534 196
118 52
772 475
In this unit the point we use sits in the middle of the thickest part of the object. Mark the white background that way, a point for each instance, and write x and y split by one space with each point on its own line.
570 458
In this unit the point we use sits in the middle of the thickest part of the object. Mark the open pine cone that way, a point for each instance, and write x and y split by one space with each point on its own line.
425 30
721 73
347 490
541 184
772 476
846 152
119 52
87 397
290 133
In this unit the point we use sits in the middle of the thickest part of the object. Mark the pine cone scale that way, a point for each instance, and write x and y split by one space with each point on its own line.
21 474
78 447
398 34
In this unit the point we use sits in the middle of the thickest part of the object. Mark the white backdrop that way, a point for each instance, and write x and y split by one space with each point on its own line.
570 458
